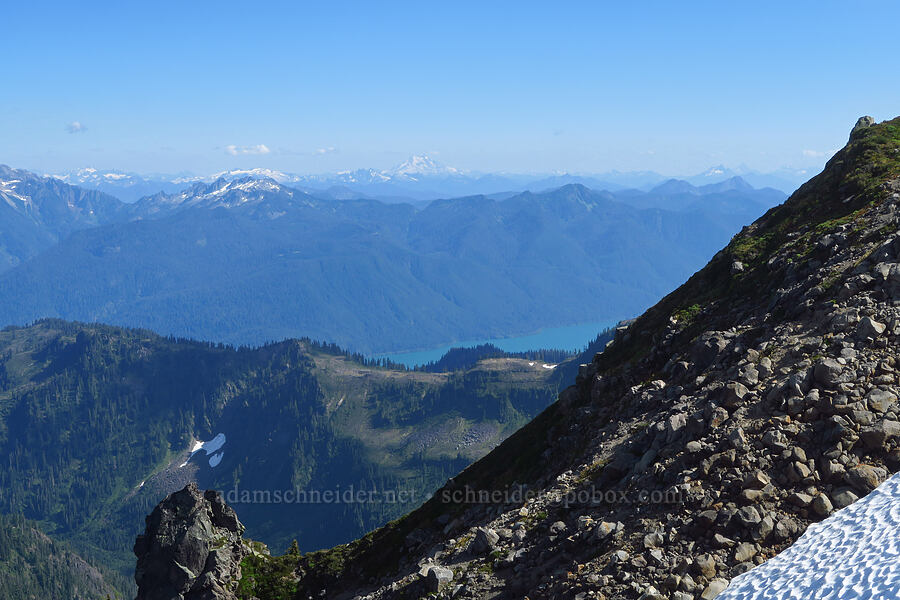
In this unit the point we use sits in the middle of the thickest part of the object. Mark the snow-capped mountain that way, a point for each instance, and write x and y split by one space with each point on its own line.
417 166
89 175
257 173
222 193
37 212
9 194
418 178
126 186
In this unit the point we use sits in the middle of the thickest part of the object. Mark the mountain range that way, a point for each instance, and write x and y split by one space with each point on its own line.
417 179
251 260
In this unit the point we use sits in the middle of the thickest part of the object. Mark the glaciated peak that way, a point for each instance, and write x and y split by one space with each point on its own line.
421 165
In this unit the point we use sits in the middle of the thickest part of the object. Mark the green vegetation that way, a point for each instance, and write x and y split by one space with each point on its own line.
96 421
749 249
592 471
686 316
878 157
268 577
34 566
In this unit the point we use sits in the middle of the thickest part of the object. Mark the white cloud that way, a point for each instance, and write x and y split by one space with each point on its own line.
813 154
240 150
75 127
327 150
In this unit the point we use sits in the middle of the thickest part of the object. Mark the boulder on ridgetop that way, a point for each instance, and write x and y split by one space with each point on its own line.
191 549
862 123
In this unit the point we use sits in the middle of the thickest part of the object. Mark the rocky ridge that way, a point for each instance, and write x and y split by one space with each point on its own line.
751 402
191 550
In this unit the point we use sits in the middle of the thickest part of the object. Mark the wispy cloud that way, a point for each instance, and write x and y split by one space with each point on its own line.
241 150
75 127
813 154
328 150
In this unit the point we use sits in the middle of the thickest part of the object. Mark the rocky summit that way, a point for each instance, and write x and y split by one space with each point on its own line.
751 402
191 549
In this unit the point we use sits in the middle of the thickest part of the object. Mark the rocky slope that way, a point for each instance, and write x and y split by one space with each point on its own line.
751 402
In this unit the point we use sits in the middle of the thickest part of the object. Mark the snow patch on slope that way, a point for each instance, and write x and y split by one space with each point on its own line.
213 449
852 555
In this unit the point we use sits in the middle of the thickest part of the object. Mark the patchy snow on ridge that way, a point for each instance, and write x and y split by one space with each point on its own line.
852 555
9 194
213 449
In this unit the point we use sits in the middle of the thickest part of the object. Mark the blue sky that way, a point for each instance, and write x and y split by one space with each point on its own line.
493 86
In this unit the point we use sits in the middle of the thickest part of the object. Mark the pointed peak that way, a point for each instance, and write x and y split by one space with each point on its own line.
674 186
732 183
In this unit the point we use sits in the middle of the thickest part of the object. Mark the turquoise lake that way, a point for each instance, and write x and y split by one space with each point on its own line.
571 337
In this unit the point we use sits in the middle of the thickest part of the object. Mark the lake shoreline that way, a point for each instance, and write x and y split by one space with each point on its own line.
568 337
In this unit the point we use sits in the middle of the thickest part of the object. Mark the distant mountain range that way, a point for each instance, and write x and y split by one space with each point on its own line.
37 212
419 178
248 260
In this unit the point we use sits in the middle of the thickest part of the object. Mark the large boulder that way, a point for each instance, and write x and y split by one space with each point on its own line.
708 347
437 577
191 549
485 541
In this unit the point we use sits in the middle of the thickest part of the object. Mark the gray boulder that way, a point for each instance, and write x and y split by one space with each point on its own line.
869 327
715 587
865 478
822 506
437 577
874 437
827 372
881 401
485 541
733 394
861 123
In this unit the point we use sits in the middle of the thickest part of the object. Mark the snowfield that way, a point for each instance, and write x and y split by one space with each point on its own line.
213 449
853 554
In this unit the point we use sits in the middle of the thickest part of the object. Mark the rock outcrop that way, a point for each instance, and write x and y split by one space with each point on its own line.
191 550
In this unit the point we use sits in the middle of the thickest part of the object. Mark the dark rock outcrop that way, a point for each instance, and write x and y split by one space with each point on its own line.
191 550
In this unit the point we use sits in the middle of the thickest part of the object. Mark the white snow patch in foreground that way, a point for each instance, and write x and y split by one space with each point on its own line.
546 366
852 555
212 447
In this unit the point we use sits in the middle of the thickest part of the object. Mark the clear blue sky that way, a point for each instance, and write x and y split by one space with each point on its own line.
573 86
